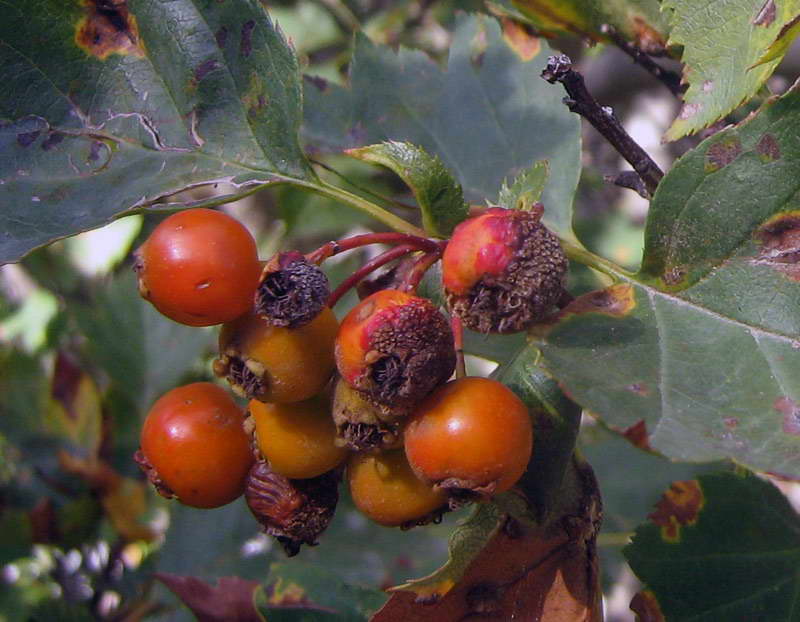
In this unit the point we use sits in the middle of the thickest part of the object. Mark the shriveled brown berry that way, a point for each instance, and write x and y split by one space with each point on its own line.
395 348
360 425
503 271
294 511
291 291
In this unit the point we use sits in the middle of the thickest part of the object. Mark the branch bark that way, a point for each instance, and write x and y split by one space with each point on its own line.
580 101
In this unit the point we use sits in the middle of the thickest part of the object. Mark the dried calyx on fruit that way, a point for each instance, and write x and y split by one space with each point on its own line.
385 489
360 425
472 437
395 348
294 511
275 364
503 270
291 291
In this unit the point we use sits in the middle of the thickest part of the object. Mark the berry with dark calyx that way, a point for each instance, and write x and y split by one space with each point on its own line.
503 270
472 437
295 512
276 364
298 439
194 446
291 291
395 348
199 267
385 489
360 425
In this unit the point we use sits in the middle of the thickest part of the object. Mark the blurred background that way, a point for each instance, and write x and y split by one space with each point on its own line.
82 358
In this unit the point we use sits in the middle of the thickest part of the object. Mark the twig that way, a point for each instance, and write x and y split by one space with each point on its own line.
668 78
629 180
580 101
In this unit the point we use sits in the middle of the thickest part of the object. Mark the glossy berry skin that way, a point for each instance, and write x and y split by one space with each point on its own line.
472 434
385 489
395 348
276 364
193 438
298 439
199 267
503 271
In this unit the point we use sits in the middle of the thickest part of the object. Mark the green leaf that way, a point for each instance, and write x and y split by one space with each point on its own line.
142 351
556 420
488 116
466 541
306 593
638 21
109 110
786 37
715 198
438 194
721 547
526 189
722 44
707 374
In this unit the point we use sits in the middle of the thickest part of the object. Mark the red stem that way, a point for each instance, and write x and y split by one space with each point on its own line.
367 268
458 342
414 276
339 246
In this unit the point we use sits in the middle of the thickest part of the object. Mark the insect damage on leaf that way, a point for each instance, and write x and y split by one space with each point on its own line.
679 506
108 28
780 244
791 414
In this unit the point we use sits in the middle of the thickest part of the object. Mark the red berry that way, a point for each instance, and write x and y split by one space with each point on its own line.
194 446
472 437
199 267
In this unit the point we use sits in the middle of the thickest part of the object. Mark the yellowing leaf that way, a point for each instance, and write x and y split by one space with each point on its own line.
782 44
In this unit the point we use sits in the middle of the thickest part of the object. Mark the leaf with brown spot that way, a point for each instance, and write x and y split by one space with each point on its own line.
75 406
108 28
638 21
637 433
679 506
736 559
782 43
526 573
110 106
723 41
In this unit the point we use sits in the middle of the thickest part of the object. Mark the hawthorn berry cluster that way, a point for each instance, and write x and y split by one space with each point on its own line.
370 400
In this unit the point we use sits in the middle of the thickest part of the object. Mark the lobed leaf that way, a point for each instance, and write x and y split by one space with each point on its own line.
109 110
438 194
526 189
488 116
723 44
722 194
722 547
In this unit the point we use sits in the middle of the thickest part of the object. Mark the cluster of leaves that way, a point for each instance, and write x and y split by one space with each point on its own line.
112 112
